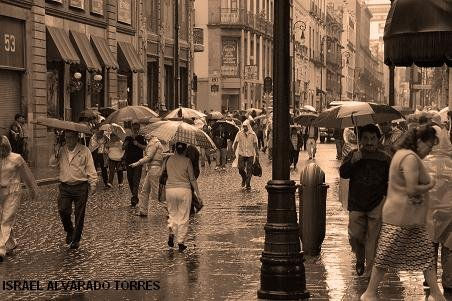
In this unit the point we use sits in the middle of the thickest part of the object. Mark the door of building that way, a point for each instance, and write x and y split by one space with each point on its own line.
9 98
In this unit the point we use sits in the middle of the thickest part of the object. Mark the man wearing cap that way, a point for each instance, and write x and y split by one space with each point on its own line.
77 177
134 146
246 146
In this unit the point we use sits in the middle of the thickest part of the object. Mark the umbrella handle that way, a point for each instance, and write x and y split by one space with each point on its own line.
356 130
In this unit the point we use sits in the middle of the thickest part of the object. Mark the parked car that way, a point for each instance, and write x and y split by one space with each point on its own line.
326 134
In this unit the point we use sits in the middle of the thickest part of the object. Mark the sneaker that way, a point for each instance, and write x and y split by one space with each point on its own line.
109 185
182 247
248 188
171 240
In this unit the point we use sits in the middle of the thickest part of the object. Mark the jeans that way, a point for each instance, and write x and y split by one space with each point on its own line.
294 157
99 162
113 166
134 178
245 166
363 231
77 194
221 157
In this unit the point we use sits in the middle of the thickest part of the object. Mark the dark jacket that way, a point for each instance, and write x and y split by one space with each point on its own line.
193 154
368 179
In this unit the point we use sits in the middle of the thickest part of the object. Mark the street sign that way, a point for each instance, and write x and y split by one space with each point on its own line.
422 87
268 84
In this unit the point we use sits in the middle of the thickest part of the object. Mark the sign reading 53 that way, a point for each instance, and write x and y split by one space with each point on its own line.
10 42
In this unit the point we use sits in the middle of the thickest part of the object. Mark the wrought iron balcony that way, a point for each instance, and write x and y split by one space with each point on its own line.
228 16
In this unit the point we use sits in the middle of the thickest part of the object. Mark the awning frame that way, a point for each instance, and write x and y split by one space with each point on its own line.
85 51
103 52
62 46
128 58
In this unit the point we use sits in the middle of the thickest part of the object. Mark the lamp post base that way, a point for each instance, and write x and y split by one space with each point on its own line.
282 271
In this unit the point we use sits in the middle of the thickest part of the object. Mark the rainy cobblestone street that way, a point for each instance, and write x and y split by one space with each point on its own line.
224 246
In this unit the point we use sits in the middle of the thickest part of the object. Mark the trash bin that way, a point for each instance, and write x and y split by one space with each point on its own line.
312 216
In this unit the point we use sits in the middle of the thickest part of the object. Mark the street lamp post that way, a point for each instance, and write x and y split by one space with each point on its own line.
302 26
282 270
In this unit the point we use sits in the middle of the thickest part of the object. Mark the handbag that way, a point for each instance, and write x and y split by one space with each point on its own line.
122 166
257 169
162 182
196 205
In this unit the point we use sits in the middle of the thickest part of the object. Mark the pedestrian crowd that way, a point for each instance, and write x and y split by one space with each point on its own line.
391 194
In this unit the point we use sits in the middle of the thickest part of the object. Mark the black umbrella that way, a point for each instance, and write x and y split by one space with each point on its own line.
228 126
419 32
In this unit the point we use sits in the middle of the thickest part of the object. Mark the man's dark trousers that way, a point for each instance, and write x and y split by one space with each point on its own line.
77 194
245 166
134 178
99 162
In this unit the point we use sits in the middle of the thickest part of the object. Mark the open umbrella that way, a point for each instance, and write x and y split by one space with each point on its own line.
131 113
425 41
305 118
179 131
356 113
106 111
113 128
89 113
215 115
250 110
308 108
63 125
443 114
228 126
184 113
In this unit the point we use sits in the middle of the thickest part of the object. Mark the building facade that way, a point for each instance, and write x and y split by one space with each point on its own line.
334 47
237 55
60 57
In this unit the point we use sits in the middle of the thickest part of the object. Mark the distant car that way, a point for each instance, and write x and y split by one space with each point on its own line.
326 134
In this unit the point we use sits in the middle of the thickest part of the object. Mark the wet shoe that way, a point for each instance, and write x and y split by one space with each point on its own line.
68 238
248 189
359 268
182 247
109 185
171 240
1 258
74 245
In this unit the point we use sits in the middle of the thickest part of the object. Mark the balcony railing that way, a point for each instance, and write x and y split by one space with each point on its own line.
227 16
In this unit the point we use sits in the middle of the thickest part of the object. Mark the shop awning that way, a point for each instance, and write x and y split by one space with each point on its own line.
85 51
59 48
104 53
128 58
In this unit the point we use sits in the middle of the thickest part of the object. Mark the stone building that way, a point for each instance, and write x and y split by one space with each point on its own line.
60 57
237 54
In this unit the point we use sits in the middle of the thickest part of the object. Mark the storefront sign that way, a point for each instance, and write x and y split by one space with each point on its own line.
12 43
125 11
229 66
77 4
97 7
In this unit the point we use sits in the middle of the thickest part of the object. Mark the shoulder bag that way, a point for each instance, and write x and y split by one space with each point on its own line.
162 182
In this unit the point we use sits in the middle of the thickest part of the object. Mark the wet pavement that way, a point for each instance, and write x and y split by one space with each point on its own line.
222 260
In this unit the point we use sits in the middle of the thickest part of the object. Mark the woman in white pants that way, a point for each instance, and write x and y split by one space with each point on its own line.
178 194
13 169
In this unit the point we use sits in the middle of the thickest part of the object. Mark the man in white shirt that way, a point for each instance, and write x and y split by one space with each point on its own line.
246 147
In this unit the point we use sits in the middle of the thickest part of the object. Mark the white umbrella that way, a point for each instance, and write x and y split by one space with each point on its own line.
184 113
443 114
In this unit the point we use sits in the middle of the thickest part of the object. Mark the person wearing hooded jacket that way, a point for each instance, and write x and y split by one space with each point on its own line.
246 147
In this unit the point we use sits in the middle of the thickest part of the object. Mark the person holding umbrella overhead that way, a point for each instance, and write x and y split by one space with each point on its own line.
134 145
78 177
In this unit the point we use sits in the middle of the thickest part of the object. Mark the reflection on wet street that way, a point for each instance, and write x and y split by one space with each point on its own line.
222 261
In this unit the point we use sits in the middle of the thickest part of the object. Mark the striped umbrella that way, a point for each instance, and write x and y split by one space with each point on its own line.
178 131
131 113
356 113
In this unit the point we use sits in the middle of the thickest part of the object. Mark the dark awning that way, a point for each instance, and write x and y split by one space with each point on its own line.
104 53
128 58
85 51
419 32
59 48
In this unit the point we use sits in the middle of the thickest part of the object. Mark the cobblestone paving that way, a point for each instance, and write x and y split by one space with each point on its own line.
224 247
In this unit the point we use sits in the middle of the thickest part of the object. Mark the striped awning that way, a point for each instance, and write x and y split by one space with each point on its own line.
128 58
85 51
59 48
104 53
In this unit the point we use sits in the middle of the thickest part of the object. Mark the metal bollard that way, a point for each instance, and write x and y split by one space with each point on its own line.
312 216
